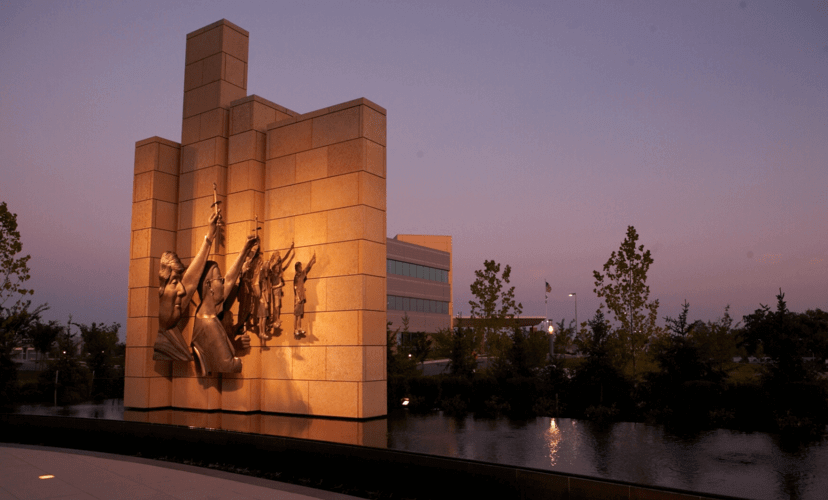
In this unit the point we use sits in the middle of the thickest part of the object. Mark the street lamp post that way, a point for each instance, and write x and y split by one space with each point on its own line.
573 294
551 330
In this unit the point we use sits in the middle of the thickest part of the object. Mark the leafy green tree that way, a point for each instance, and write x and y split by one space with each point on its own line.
14 270
625 293
493 307
16 319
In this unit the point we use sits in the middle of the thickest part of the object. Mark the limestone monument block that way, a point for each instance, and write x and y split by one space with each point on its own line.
293 207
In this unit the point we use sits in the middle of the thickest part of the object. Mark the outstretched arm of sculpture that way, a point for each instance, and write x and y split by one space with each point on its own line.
233 273
310 264
196 267
287 258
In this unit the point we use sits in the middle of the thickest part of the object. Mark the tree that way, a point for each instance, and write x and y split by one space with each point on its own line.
679 326
43 337
528 351
15 318
717 341
624 290
458 345
564 336
493 307
594 342
597 382
681 362
99 344
398 363
14 271
782 337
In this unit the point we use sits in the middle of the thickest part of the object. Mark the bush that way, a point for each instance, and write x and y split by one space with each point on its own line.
496 405
455 405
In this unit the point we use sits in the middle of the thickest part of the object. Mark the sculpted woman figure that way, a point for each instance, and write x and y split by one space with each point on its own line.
178 284
211 343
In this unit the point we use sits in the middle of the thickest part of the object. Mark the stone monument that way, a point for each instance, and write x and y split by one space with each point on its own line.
292 206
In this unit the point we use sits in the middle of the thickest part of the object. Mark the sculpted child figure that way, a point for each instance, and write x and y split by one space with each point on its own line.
276 282
260 293
211 343
178 284
250 292
299 297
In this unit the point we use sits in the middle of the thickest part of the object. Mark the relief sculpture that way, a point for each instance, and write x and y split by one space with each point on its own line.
299 297
178 284
275 282
260 296
211 343
260 302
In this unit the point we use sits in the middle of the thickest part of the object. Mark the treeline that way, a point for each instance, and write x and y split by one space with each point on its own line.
70 366
766 372
685 378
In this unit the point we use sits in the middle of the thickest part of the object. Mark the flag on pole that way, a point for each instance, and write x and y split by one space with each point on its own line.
548 288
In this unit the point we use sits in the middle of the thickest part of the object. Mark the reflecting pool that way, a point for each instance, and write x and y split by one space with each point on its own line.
749 465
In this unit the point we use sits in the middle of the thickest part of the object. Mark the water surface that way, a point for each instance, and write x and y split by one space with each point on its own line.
750 465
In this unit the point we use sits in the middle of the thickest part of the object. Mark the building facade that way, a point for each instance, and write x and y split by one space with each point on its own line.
419 281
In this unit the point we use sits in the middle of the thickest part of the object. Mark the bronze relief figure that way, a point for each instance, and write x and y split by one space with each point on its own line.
211 344
299 297
178 284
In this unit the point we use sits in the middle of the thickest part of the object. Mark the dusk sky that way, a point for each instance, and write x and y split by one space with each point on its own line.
533 133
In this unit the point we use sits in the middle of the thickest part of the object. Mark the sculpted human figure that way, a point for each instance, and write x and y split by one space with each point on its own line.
276 283
250 291
178 284
299 297
211 343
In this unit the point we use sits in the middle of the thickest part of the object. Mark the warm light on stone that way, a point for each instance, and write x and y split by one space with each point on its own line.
313 180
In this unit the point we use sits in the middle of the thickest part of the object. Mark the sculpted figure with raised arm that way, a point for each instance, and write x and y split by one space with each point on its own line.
211 343
299 297
178 284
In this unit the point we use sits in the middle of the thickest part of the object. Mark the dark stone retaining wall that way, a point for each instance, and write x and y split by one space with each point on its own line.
357 470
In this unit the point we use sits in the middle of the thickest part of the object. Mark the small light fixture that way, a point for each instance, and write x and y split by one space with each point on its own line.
46 476
405 401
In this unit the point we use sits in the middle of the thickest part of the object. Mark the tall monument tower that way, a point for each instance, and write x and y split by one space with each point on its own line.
315 181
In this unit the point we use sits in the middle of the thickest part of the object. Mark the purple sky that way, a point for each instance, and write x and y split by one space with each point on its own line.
533 133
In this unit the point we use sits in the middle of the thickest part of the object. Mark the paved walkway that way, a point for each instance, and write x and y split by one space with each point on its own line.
82 475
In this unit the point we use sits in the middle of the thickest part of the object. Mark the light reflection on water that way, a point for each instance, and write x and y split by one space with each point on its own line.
749 465
553 440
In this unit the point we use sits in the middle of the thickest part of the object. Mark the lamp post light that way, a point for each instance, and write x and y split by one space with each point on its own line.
573 294
551 330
